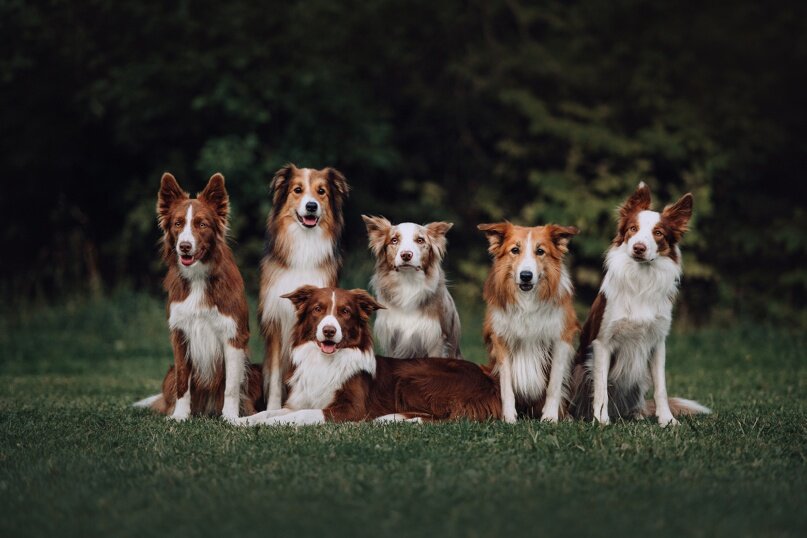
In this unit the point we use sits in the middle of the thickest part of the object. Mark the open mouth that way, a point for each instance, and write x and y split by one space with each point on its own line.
309 221
327 346
526 286
186 259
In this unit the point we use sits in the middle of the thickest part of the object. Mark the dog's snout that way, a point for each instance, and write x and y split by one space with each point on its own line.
185 247
639 249
311 207
329 331
406 255
525 276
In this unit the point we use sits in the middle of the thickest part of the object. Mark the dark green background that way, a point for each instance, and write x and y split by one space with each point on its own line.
463 111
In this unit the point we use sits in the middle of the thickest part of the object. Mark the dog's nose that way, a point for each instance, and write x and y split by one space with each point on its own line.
406 255
525 276
329 331
311 207
639 249
185 247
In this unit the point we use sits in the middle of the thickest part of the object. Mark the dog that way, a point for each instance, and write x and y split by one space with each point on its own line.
530 321
335 376
419 318
207 309
623 341
302 247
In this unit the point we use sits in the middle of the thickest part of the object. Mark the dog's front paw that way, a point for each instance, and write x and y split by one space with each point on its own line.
229 413
178 417
550 416
667 420
510 417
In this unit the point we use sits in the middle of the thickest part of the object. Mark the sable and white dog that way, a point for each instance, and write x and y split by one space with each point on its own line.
530 320
207 309
623 342
334 376
420 318
302 247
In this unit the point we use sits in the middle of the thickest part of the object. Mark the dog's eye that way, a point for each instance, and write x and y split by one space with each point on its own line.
320 191
394 240
515 250
202 225
317 309
420 240
658 233
298 190
634 229
346 311
539 251
178 224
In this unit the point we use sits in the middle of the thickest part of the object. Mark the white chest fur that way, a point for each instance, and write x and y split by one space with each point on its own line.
399 329
530 330
206 330
317 376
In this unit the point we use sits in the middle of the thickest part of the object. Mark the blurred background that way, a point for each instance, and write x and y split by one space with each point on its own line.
465 111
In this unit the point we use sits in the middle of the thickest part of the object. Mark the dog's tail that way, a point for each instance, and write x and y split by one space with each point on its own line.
679 407
154 402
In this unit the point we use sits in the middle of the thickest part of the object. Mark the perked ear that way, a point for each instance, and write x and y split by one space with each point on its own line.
170 193
638 201
299 296
677 215
561 235
215 195
367 305
377 230
495 234
280 183
337 181
437 231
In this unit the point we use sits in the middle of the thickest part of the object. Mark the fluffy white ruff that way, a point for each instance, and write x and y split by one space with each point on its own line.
407 289
317 376
207 331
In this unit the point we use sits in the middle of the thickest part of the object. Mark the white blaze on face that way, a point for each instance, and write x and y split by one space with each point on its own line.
527 263
331 320
309 218
407 233
647 221
186 235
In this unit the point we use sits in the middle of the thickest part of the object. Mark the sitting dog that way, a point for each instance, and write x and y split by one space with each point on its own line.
207 309
419 319
334 375
530 320
623 342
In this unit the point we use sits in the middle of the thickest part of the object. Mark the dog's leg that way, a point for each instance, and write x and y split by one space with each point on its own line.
506 386
602 363
297 418
273 367
235 361
398 417
260 418
562 355
182 371
665 417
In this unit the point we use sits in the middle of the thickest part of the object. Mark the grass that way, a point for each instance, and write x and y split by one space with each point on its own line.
75 460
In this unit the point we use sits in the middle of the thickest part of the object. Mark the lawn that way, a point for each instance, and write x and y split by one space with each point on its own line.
76 460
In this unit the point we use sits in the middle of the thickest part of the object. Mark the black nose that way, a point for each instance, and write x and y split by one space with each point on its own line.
525 276
639 249
406 255
329 331
311 207
184 247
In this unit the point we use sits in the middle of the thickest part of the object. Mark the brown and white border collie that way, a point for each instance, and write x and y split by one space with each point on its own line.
334 375
207 308
530 320
622 345
302 247
419 317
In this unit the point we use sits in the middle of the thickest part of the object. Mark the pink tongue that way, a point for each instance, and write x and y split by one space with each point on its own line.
186 260
309 221
327 347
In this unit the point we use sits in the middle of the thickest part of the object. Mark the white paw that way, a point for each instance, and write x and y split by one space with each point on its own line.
229 413
667 420
549 416
603 419
510 418
178 417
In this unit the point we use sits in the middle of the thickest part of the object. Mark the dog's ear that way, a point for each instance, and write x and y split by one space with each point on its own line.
437 232
638 201
300 296
170 193
561 235
377 231
280 184
495 234
337 182
676 216
215 195
366 303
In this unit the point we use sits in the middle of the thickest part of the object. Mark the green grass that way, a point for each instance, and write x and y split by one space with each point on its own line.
76 460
